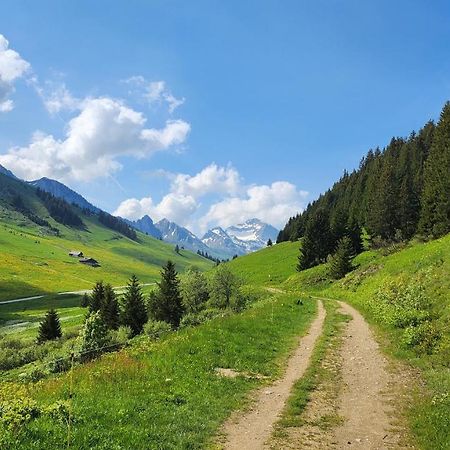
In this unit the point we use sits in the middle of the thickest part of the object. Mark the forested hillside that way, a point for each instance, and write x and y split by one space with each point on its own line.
396 193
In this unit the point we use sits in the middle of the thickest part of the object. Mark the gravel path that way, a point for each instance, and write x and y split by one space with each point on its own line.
250 430
366 402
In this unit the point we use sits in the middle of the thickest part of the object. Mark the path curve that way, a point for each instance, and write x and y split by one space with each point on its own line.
365 403
252 429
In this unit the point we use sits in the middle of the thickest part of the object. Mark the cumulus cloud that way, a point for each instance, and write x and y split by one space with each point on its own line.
103 130
155 92
273 204
175 207
12 67
212 179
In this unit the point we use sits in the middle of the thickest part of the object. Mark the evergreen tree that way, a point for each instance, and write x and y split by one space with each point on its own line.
166 304
354 233
109 310
50 327
134 311
435 213
317 242
177 249
383 204
97 297
269 243
341 261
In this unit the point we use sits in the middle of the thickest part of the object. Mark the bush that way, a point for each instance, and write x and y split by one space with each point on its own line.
155 329
121 335
403 303
94 336
16 408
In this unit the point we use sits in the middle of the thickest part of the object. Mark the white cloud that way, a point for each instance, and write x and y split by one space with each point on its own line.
212 179
12 67
273 204
175 207
104 130
56 96
155 92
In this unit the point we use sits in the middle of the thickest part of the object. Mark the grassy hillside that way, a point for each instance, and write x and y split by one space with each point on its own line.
405 293
166 394
35 261
269 266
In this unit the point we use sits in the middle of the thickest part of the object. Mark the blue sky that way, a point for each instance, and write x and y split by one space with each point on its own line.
134 101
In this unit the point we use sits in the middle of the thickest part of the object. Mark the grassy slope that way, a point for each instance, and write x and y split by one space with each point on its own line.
430 414
167 394
269 266
33 264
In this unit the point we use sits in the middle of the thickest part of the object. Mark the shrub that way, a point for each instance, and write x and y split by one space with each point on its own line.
155 329
121 335
16 408
224 286
94 336
194 291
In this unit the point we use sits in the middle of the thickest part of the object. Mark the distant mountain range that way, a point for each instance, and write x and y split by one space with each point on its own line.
238 240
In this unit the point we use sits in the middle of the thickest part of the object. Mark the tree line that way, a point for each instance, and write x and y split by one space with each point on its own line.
117 224
176 301
59 209
395 194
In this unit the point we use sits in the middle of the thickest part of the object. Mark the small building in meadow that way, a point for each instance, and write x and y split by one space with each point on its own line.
76 254
90 262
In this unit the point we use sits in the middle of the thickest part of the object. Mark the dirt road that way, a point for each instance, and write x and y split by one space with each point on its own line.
358 397
366 402
252 429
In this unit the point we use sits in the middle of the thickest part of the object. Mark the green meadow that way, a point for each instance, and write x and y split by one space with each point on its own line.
167 394
33 264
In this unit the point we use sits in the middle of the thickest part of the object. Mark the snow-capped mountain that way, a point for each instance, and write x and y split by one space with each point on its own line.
252 235
146 225
60 190
217 239
240 239
171 232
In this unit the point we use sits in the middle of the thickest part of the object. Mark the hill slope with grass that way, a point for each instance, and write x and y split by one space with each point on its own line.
35 248
404 292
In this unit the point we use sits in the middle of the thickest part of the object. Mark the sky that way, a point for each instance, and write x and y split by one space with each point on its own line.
212 112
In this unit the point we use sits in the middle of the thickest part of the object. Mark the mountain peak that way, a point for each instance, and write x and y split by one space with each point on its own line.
7 172
60 190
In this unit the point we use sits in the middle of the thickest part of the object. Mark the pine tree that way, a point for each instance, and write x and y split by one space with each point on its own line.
109 310
269 243
354 233
177 249
317 242
341 261
435 213
383 204
166 304
97 297
134 311
50 327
